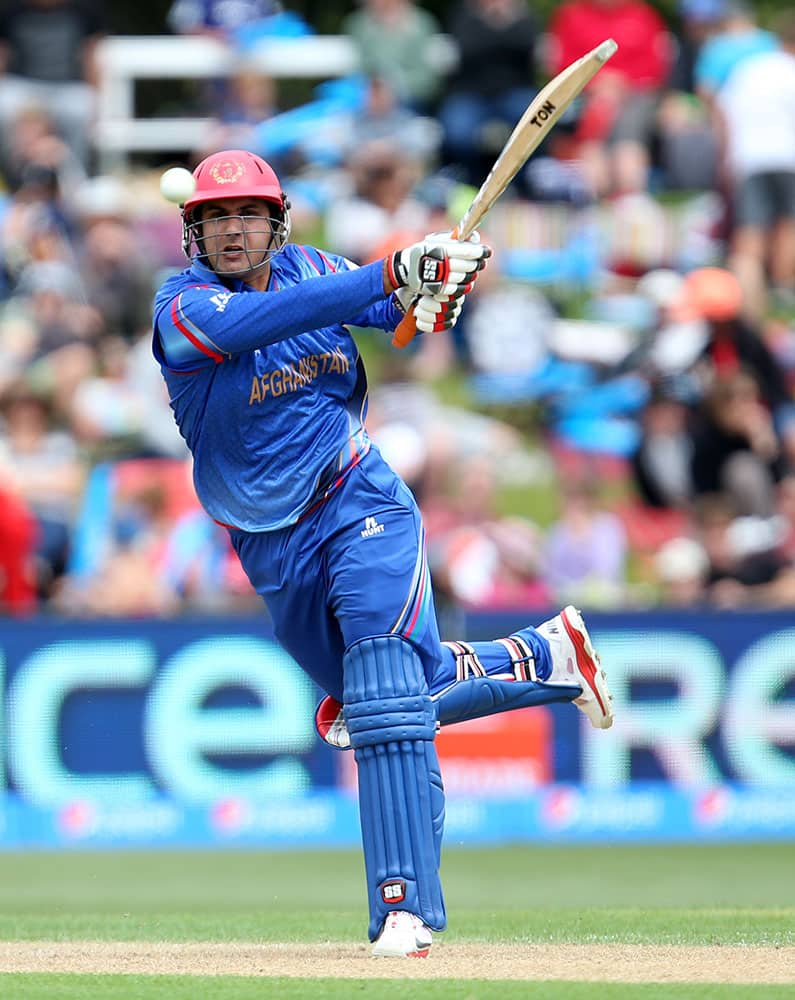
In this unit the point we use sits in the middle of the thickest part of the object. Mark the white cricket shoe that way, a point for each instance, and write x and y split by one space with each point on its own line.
403 935
575 661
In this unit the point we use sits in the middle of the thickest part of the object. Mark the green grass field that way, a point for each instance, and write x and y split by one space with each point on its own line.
679 895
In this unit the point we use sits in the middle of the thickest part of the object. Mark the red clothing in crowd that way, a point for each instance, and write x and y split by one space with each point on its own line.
644 51
18 534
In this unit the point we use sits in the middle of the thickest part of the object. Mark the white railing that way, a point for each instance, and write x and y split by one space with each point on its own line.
123 60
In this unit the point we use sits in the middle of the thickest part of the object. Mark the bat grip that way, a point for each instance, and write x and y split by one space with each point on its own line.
406 330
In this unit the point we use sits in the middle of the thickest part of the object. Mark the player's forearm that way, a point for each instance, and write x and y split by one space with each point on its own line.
208 321
315 303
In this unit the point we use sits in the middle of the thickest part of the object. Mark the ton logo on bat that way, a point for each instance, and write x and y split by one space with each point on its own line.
543 113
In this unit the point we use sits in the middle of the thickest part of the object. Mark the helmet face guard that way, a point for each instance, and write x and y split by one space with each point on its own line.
237 173
277 227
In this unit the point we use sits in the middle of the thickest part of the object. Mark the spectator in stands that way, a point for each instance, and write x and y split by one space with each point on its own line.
42 462
199 565
681 566
584 557
107 411
756 110
715 296
381 207
675 338
18 542
59 330
618 114
157 558
745 568
738 37
248 99
127 581
507 327
430 440
736 449
217 18
492 84
115 270
32 148
778 331
119 410
157 433
43 176
662 463
47 56
688 143
238 25
393 42
382 117
699 20
785 511
480 558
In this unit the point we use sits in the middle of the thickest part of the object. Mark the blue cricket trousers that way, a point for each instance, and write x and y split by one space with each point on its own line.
353 567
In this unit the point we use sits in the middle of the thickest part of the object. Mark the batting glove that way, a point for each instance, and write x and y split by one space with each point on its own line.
439 265
432 315
405 299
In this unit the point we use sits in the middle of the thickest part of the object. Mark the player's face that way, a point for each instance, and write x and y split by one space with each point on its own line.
236 234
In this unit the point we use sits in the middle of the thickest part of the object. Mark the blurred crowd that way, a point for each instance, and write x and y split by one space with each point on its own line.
611 423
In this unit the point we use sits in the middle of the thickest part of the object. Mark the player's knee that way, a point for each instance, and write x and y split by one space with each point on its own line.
386 693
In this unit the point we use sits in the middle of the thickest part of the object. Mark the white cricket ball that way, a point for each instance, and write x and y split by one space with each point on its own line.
177 184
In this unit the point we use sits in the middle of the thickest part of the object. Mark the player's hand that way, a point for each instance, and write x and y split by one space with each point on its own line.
438 265
433 314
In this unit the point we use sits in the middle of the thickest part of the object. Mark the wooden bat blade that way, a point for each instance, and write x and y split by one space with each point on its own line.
542 114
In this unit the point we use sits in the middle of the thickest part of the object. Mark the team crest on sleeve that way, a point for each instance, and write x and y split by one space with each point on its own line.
220 300
227 171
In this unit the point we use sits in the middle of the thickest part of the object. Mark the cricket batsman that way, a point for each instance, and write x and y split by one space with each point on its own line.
269 392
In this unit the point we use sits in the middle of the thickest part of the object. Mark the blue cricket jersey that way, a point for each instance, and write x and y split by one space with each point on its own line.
268 388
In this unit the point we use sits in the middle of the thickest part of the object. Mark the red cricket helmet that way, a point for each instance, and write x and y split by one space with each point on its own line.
235 173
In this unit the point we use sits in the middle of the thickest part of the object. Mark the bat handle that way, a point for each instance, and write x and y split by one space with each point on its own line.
406 329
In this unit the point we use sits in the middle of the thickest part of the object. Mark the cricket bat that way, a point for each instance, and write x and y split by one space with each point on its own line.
541 115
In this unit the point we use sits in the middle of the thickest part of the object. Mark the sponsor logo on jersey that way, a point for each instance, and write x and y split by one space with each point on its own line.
371 527
297 374
220 300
